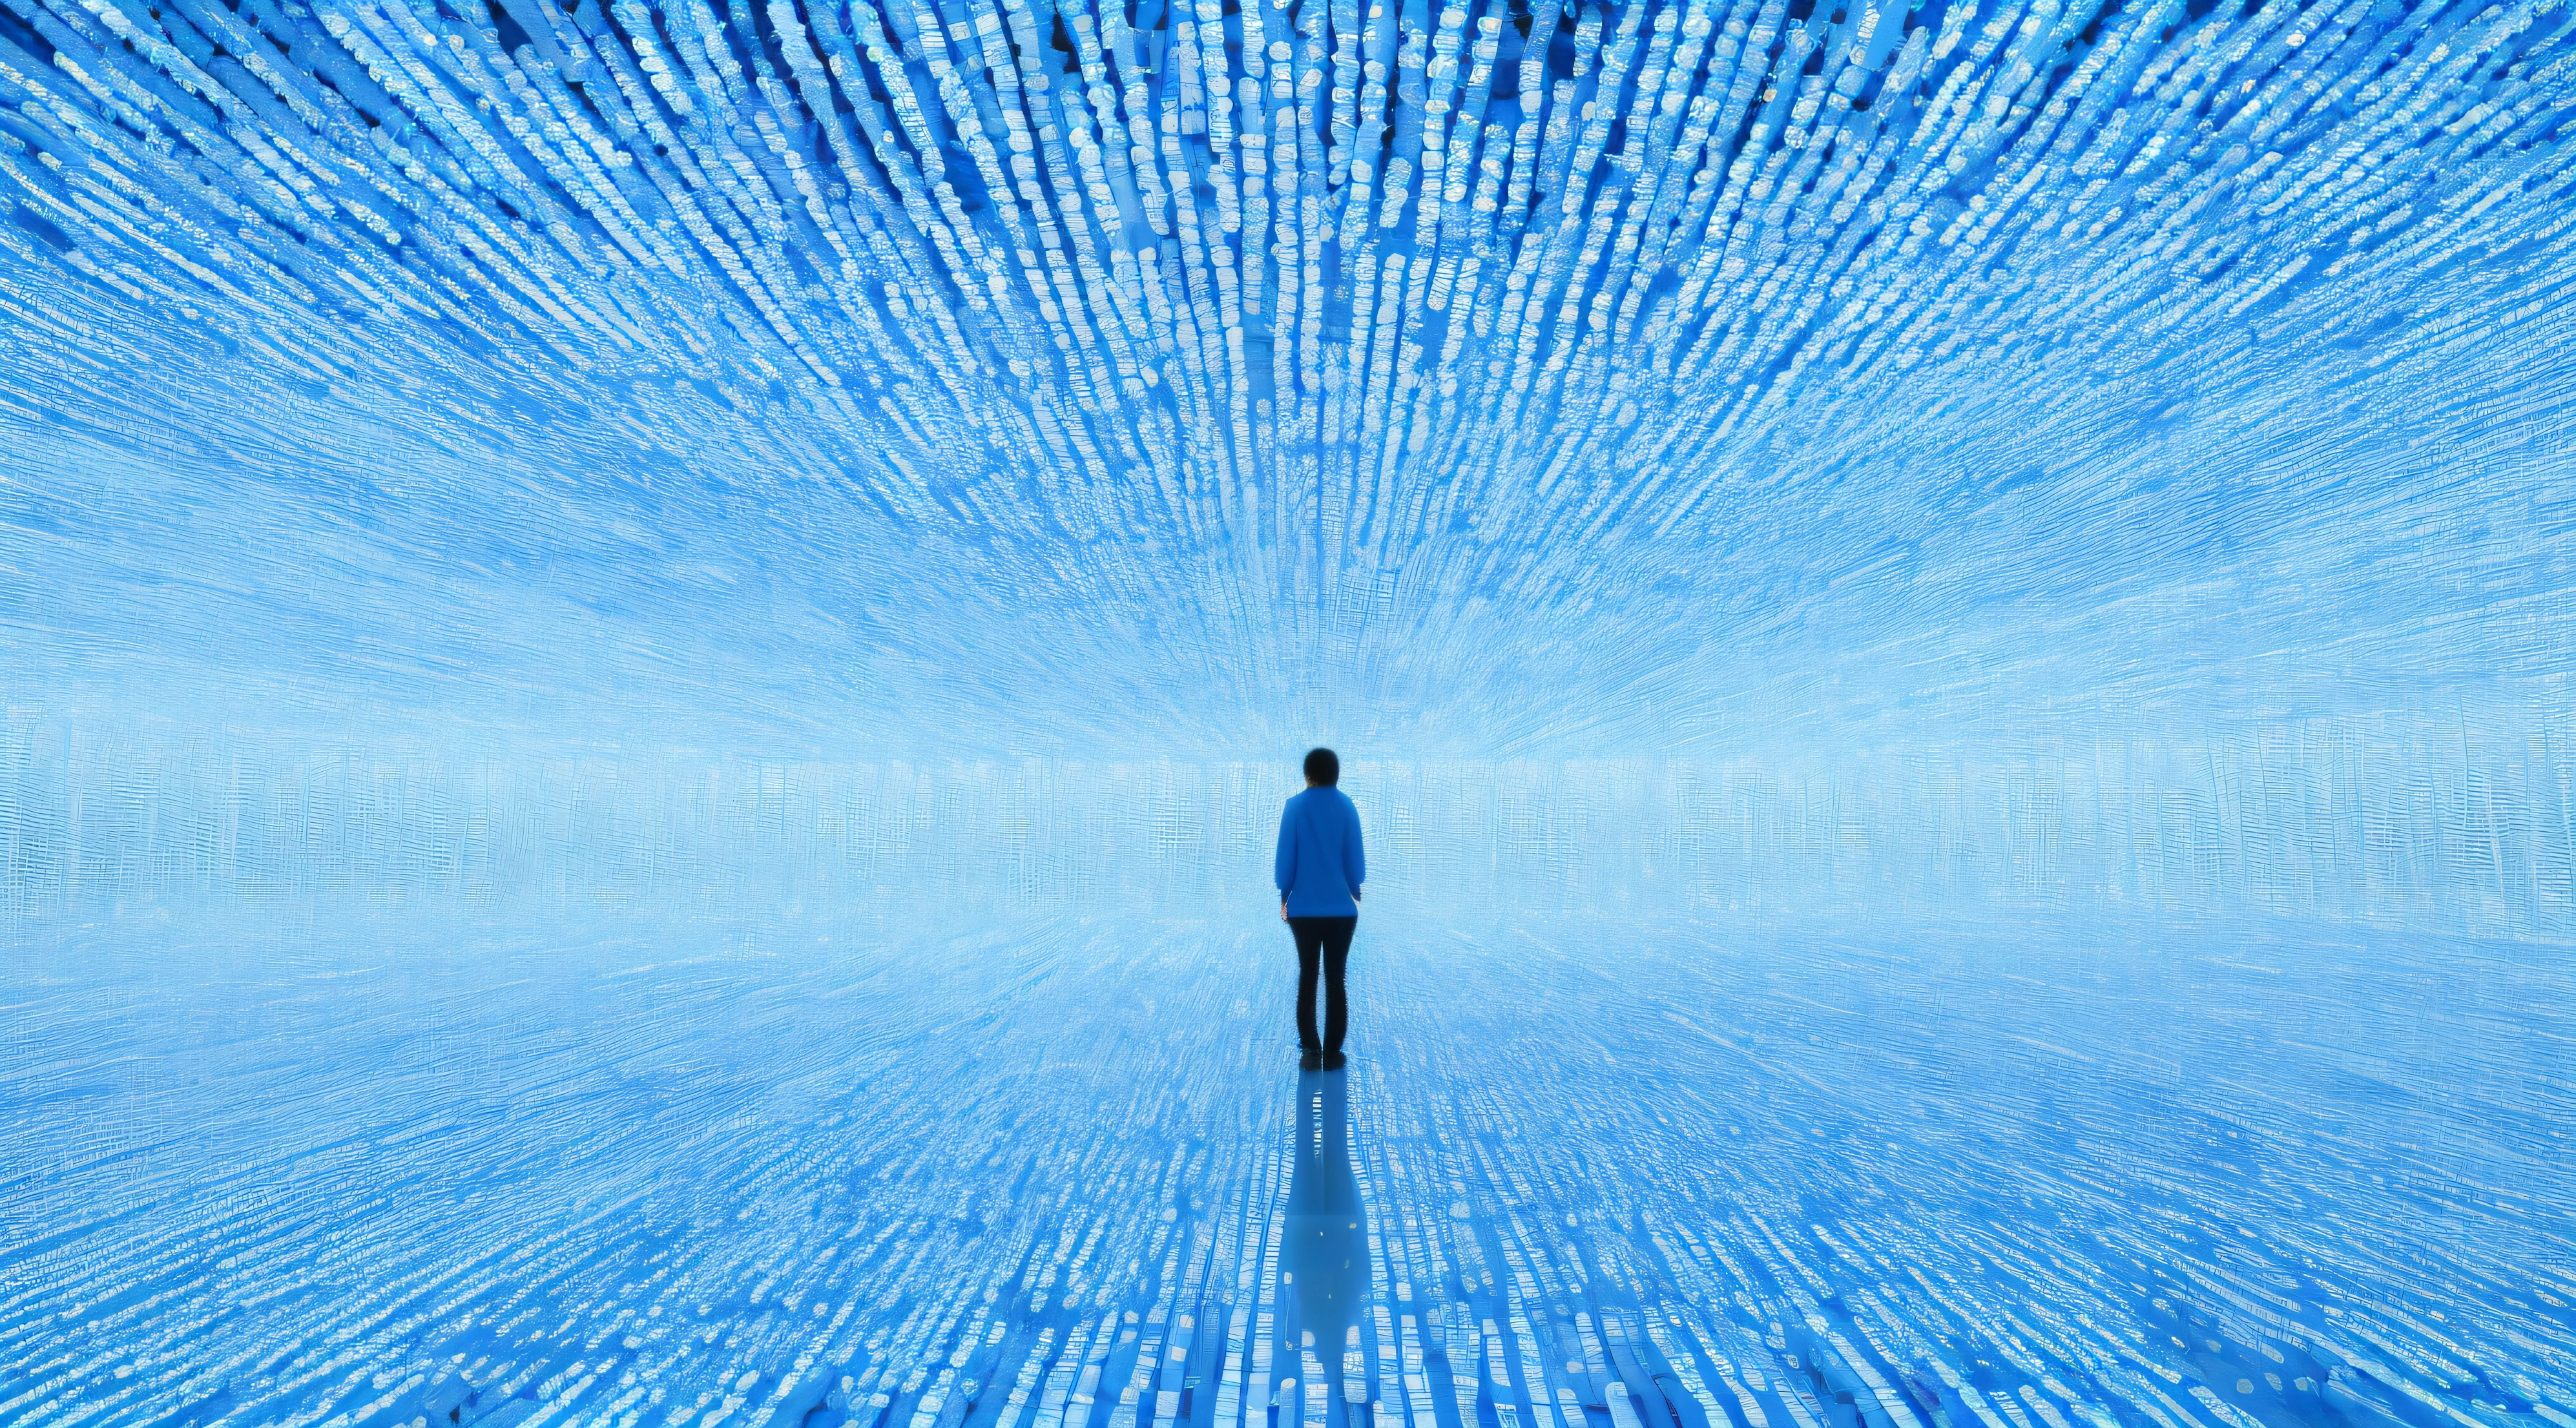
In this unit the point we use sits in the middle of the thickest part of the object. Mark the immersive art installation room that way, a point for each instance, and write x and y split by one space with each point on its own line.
657 660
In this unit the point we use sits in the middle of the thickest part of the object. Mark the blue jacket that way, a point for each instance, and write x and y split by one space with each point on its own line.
1320 868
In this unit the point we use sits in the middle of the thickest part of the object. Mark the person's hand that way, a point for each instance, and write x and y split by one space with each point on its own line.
1283 909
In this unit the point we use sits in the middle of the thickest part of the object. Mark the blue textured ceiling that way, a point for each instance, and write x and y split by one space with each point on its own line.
1480 379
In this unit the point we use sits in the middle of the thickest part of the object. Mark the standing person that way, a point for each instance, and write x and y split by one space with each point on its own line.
1319 870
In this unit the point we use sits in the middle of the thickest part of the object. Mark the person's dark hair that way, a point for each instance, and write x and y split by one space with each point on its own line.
1323 766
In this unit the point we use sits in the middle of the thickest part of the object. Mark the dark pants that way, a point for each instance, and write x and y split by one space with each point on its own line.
1326 940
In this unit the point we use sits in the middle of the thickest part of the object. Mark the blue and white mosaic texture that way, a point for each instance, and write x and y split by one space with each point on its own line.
648 651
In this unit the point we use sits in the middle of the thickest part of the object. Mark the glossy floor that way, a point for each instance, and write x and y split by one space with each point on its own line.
1056 1174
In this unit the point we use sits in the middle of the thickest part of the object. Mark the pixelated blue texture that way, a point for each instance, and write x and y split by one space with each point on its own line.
649 648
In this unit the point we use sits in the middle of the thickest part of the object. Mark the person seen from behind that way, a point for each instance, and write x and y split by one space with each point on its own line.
1319 870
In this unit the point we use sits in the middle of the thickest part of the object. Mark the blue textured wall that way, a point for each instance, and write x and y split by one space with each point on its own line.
2091 451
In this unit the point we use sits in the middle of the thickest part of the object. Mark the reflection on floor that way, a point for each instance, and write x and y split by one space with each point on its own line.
1066 1175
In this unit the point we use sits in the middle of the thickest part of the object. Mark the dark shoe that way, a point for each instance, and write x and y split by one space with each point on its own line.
1335 1061
1311 1061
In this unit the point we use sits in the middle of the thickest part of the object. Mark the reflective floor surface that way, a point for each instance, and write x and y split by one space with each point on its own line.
1066 1174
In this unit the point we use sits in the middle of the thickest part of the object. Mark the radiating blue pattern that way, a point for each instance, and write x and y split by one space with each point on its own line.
649 651
1620 1173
